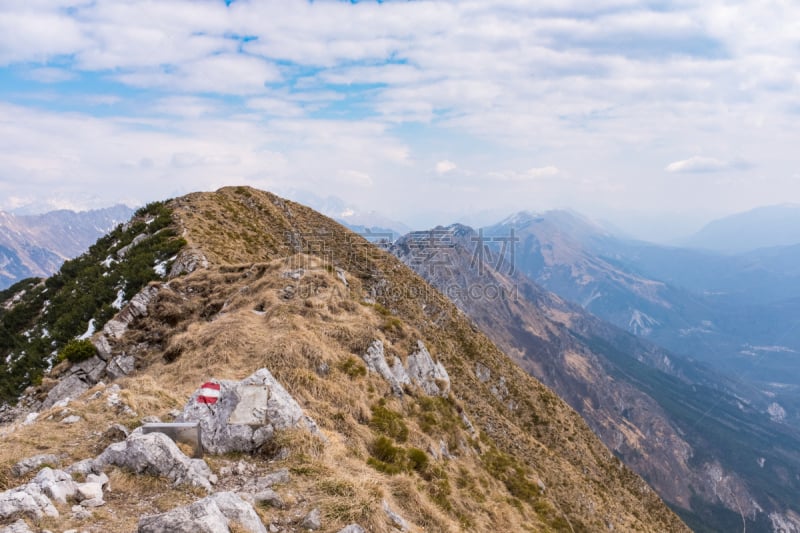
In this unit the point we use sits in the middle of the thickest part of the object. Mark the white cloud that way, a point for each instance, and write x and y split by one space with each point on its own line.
50 75
445 166
698 164
613 87
532 174
218 74
354 177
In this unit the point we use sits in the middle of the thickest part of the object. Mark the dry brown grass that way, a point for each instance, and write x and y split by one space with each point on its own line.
243 313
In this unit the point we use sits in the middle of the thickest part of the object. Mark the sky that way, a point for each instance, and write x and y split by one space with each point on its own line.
653 115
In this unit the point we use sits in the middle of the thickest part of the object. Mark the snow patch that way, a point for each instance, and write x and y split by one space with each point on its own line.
161 268
89 331
120 301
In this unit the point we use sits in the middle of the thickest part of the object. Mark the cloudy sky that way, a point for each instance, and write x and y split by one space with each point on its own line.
425 111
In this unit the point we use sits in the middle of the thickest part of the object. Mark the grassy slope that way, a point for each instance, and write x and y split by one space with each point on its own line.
239 315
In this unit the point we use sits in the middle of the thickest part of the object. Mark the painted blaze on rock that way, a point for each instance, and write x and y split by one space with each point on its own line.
246 413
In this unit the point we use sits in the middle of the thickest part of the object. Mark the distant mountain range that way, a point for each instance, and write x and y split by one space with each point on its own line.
764 227
37 245
700 438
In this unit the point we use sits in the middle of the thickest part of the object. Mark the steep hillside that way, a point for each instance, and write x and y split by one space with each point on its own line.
452 436
710 453
36 245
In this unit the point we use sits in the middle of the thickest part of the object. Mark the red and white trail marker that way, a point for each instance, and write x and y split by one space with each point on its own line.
209 393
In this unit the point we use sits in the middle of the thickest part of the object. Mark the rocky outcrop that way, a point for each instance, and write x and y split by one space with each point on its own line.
28 500
136 308
213 514
30 464
420 369
57 485
79 378
246 414
157 454
375 360
188 260
430 375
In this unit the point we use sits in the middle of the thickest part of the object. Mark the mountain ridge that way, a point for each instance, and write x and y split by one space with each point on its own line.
259 281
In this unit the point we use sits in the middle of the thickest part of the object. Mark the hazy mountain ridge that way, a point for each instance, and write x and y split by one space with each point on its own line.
763 227
36 245
649 406
261 281
734 312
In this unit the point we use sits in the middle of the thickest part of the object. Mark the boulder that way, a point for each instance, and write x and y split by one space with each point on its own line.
239 511
429 375
210 515
156 454
83 467
56 485
246 414
27 500
71 419
88 491
32 463
199 517
120 366
187 262
20 526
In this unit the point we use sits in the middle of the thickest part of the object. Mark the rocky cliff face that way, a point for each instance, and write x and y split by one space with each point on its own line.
36 245
659 413
372 403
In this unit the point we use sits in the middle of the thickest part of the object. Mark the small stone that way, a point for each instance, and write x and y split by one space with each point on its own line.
398 520
274 478
71 419
100 478
88 491
80 513
116 433
93 502
151 420
269 498
312 521
352 528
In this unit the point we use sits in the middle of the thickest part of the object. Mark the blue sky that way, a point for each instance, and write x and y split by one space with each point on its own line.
428 112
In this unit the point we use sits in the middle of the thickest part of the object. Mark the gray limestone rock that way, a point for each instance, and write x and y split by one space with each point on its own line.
352 528
27 500
56 485
312 520
156 454
136 308
32 463
375 360
210 515
246 414
20 526
429 375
